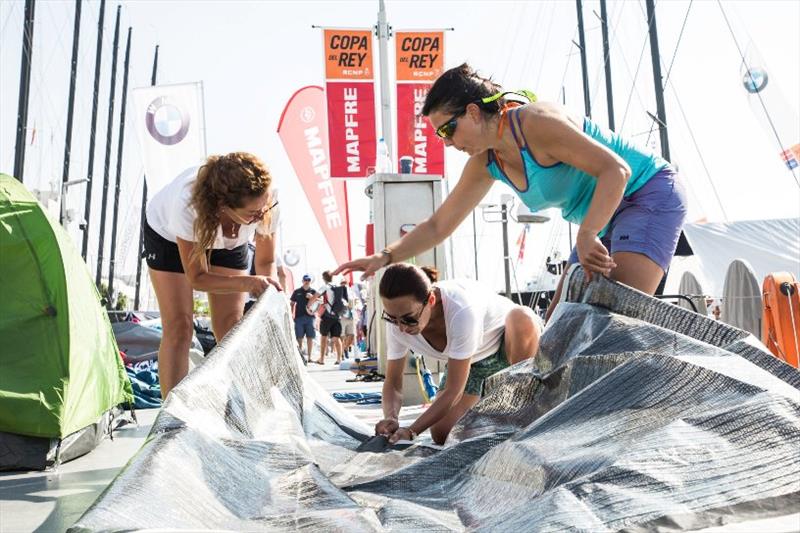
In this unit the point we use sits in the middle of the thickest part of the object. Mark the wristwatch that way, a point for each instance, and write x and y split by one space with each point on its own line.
387 253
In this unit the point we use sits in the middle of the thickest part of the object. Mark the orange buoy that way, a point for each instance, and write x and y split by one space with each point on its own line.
779 327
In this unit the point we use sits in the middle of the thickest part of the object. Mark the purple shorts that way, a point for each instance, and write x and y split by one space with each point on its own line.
648 221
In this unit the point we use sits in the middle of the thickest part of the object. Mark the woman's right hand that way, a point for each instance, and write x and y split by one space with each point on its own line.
386 427
369 265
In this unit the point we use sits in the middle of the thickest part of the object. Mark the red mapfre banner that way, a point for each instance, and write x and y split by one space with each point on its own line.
419 61
350 89
304 133
351 125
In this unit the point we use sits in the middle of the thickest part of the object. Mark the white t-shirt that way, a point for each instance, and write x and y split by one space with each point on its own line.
171 214
475 319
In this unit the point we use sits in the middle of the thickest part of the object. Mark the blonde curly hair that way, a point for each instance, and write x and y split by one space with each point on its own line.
224 181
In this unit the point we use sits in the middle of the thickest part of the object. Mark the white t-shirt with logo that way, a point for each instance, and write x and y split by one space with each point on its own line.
171 214
475 319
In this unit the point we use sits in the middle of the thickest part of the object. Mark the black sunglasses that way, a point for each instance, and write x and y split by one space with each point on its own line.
267 210
406 320
448 129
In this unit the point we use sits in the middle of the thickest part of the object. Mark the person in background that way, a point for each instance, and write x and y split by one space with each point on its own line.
361 327
330 325
629 203
196 232
475 331
348 320
301 300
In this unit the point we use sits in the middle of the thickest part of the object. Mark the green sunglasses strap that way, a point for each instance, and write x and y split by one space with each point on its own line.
529 95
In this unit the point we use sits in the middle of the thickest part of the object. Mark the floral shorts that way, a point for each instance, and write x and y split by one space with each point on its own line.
478 372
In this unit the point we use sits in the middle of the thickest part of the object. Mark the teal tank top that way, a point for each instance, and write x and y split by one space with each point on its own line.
566 187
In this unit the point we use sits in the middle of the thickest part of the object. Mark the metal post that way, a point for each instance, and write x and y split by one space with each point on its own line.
71 105
24 90
506 260
107 164
87 207
120 141
658 82
607 62
383 53
475 242
143 215
587 104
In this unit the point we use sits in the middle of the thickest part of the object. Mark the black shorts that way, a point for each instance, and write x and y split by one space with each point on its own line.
330 326
163 255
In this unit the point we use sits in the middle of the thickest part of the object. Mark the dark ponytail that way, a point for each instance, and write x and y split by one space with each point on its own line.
405 279
459 86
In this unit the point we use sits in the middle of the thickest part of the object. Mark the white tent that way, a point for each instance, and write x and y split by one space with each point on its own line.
767 246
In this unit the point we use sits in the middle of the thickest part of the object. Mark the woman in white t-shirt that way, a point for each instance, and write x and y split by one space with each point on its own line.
475 331
196 233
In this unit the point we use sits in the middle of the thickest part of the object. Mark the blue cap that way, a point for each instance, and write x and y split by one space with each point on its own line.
306 277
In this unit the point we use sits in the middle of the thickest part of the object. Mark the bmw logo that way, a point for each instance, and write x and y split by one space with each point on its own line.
291 258
166 122
755 79
307 114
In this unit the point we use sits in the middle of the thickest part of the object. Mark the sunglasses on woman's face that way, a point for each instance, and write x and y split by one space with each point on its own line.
253 215
448 129
405 320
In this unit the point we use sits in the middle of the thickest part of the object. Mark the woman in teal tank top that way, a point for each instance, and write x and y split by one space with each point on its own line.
627 201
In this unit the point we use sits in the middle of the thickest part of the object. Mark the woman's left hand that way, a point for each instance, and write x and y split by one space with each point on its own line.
592 255
274 283
400 434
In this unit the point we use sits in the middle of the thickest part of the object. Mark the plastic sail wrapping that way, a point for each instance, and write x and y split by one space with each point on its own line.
635 415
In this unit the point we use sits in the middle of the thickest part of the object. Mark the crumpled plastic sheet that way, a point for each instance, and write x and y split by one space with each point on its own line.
636 415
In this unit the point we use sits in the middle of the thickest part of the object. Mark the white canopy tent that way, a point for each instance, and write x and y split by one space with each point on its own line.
767 246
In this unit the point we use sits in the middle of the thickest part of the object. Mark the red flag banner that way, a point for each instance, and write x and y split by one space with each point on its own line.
419 61
304 134
350 89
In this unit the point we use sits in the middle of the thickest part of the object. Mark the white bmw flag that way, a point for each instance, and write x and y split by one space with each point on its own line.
171 131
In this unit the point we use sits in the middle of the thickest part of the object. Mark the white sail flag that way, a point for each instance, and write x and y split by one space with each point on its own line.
775 113
171 130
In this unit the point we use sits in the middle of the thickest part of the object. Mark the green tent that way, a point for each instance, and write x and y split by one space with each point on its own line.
60 370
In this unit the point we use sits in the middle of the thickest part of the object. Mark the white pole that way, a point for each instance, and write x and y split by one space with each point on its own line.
383 51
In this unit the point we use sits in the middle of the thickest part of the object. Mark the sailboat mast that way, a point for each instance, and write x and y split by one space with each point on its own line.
73 74
120 142
607 64
144 211
24 90
87 206
658 81
107 165
587 104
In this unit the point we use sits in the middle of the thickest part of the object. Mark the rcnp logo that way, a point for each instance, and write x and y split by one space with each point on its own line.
166 122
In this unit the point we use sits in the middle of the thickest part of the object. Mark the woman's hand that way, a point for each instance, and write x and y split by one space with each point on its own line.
386 427
369 265
592 255
256 285
401 434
